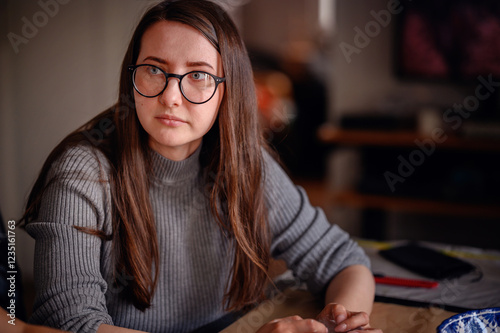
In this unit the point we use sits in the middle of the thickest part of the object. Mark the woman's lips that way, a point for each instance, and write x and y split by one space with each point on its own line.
170 121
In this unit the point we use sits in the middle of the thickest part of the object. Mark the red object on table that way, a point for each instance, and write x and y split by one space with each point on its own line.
403 282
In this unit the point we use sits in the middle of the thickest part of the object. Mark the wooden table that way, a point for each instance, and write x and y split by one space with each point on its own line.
391 318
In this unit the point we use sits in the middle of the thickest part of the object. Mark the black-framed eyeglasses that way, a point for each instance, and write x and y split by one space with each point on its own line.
197 87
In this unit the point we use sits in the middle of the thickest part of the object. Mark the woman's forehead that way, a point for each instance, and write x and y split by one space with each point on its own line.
176 44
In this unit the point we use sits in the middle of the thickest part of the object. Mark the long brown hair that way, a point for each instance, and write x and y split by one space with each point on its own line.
231 156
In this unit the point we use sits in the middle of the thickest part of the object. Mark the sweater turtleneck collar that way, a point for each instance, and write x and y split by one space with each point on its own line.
169 171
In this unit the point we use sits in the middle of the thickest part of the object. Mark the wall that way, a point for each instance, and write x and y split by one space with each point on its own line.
272 25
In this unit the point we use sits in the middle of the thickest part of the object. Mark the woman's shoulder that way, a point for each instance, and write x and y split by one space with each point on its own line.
271 159
75 191
79 160
274 169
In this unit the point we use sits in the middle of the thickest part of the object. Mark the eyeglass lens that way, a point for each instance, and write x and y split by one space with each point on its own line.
197 87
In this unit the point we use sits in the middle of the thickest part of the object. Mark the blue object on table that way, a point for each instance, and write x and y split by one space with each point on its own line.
474 321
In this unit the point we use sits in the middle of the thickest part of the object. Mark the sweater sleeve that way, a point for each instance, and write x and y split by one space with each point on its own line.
70 287
313 248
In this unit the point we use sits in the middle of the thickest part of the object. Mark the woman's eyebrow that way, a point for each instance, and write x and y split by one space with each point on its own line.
188 64
198 64
160 60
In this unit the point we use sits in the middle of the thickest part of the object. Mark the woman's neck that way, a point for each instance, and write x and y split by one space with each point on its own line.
175 153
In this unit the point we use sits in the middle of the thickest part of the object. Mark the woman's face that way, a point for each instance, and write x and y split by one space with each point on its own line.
175 125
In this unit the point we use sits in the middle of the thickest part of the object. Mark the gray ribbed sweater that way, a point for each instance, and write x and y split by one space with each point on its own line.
73 270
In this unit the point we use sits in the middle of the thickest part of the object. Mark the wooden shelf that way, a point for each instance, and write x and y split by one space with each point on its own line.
332 135
425 206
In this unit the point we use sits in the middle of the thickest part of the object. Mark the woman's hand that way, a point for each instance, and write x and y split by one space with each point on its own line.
338 319
294 324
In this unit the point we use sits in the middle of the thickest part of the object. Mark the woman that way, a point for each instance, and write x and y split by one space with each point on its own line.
168 221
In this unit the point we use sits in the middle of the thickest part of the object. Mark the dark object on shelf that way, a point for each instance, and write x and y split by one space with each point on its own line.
454 43
377 122
427 262
448 40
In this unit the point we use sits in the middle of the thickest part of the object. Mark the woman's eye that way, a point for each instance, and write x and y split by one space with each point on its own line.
198 76
154 70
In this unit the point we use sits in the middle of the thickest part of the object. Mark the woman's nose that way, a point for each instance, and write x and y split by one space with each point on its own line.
172 95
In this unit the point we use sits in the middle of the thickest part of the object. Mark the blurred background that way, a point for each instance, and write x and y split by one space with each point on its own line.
386 112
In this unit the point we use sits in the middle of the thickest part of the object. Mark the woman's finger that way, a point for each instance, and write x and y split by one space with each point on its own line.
293 324
286 319
333 311
356 320
367 330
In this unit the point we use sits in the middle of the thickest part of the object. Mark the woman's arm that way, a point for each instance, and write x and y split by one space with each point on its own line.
104 328
317 250
349 300
20 326
354 288
70 265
